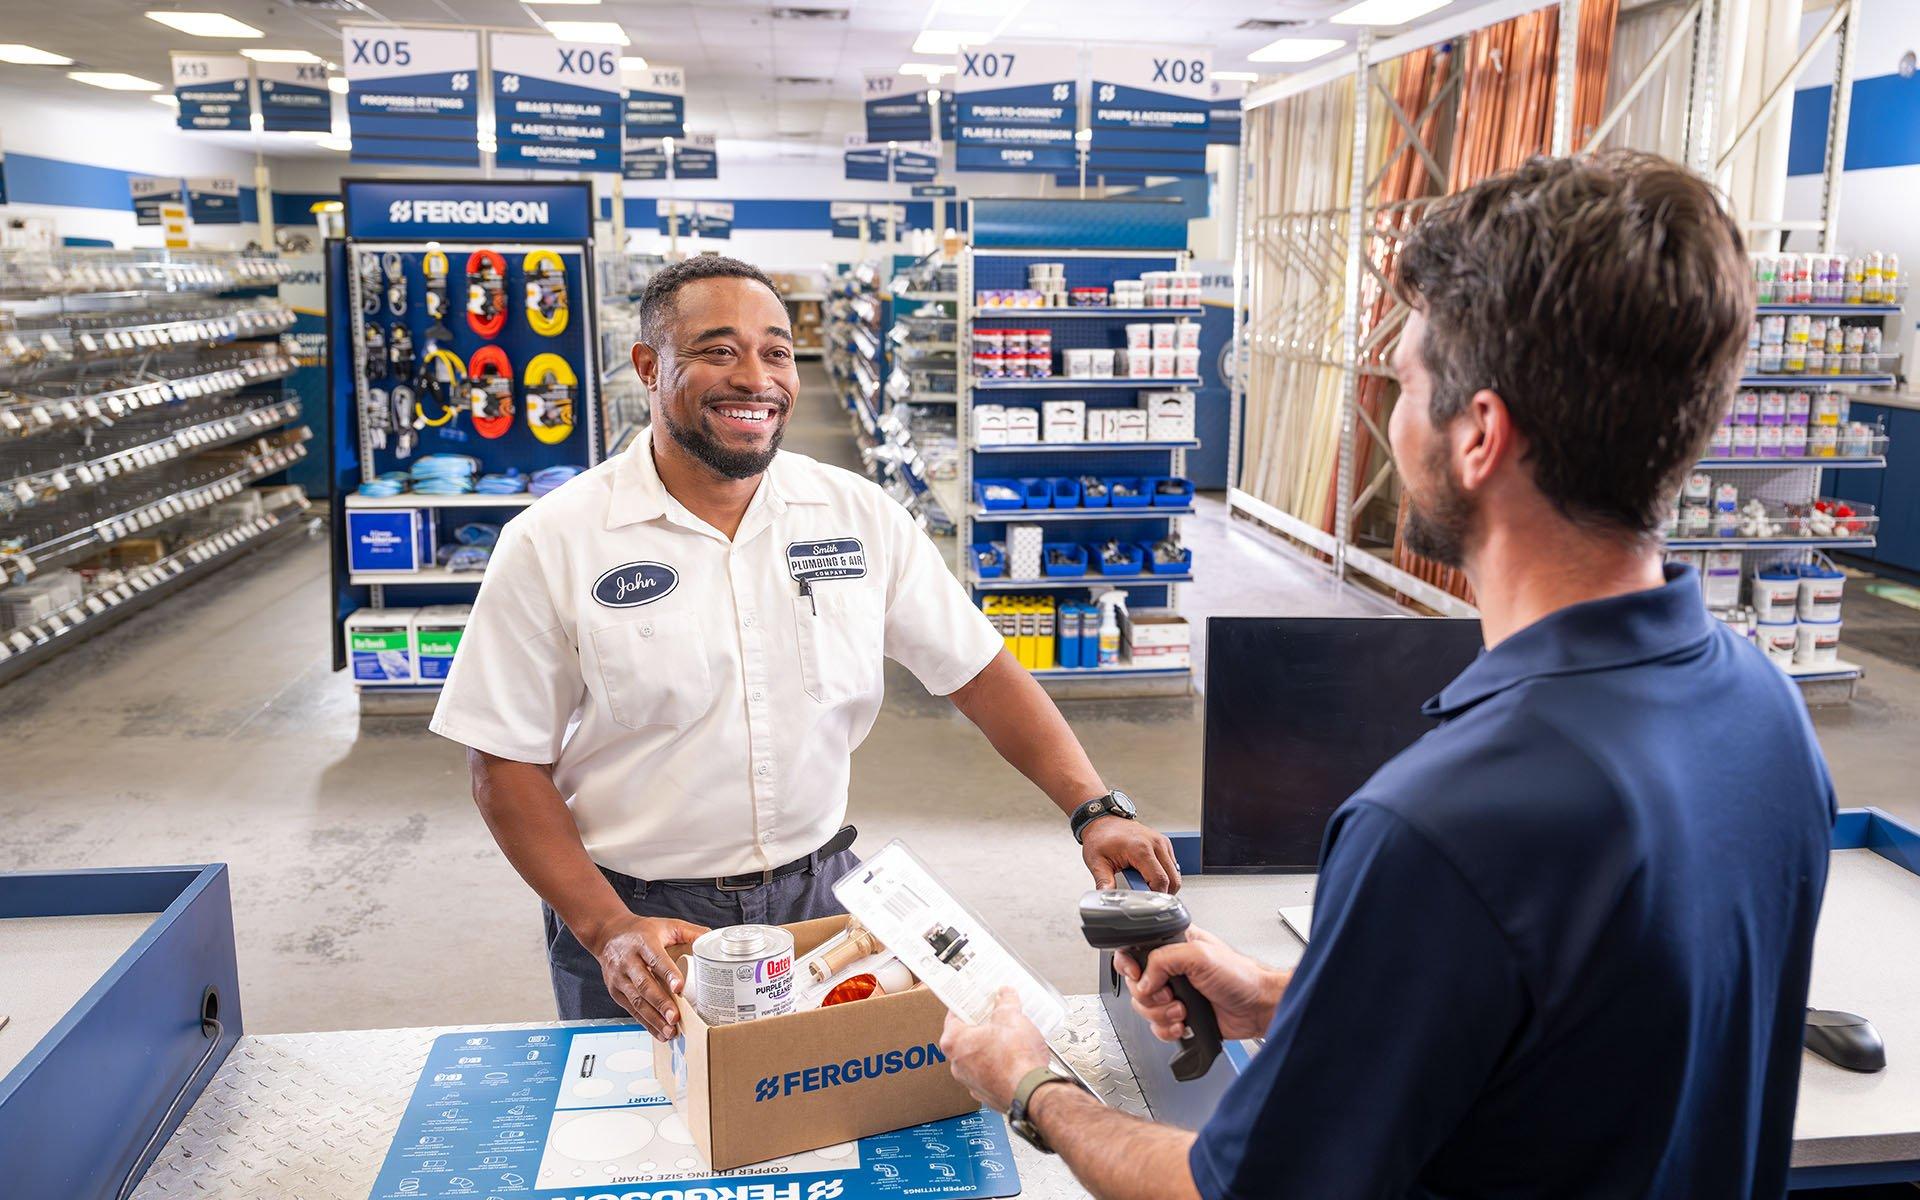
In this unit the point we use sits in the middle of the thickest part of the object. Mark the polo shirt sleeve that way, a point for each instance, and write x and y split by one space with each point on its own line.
515 682
1398 1014
933 628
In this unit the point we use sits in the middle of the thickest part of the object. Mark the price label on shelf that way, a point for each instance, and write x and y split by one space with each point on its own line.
19 641
92 347
70 410
96 605
140 582
41 416
56 624
60 481
91 407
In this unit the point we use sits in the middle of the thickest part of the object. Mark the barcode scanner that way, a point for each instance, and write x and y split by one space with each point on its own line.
1140 923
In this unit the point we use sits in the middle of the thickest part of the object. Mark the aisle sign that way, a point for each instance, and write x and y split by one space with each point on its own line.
935 191
915 162
897 109
847 218
878 215
947 110
695 156
214 91
656 102
713 218
412 94
1223 127
1150 109
1018 106
644 158
865 160
294 97
214 200
556 105
679 218
149 193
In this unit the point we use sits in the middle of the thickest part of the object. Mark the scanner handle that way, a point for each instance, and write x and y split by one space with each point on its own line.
1200 1044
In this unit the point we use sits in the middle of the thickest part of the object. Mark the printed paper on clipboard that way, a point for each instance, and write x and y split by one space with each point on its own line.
941 940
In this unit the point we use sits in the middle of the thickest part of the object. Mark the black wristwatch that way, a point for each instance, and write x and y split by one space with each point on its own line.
1114 804
1017 1118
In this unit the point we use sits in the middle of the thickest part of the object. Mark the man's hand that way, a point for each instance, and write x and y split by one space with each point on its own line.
1111 844
1244 993
639 972
991 1058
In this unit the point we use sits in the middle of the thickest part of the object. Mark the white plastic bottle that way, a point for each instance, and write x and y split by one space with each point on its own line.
1110 605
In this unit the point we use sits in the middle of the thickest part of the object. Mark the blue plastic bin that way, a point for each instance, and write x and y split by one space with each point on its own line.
1180 499
1183 567
1133 566
1039 492
1143 498
1089 500
999 566
1066 492
1074 569
991 504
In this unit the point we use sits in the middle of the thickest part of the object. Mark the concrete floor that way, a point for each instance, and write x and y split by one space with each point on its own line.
367 893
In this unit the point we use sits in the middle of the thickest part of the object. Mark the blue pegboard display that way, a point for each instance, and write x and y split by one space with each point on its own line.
565 1112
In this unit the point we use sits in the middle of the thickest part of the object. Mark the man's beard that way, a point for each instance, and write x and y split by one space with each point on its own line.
723 461
1439 532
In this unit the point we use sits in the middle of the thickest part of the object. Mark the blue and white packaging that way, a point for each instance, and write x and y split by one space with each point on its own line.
380 646
389 539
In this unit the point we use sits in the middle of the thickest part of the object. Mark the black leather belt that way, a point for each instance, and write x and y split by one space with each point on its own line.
748 880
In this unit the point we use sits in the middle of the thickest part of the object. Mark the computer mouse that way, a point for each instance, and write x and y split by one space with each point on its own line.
1846 1040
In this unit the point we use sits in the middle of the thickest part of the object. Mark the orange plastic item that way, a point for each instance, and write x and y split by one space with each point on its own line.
853 987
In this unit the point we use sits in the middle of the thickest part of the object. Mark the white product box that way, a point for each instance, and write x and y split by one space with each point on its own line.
1063 421
1720 580
1023 426
1126 425
1097 425
1023 551
1169 416
989 425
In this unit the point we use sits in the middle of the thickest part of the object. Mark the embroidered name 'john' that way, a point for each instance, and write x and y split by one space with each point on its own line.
633 584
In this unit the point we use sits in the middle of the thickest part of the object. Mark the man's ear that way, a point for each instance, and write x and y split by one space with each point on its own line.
1483 438
646 364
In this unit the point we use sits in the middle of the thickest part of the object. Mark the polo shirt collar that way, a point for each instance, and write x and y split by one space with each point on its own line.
1597 635
640 495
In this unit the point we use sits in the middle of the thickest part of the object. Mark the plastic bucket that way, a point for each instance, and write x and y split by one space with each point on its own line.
1776 597
1779 641
1816 643
1820 590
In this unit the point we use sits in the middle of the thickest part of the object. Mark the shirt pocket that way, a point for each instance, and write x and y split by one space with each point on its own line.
654 671
842 637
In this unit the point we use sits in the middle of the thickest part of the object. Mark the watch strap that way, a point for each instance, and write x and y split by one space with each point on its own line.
1017 1115
1093 810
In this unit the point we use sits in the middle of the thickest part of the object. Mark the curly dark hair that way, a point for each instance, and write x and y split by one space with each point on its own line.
656 302
1607 299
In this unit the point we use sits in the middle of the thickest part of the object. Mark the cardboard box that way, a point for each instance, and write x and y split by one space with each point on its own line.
1169 416
1063 421
389 539
1157 640
989 425
1023 426
1126 425
782 1085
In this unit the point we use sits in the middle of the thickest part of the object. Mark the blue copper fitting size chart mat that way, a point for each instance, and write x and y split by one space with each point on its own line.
575 1113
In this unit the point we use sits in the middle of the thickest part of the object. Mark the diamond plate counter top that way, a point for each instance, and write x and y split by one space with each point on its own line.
311 1114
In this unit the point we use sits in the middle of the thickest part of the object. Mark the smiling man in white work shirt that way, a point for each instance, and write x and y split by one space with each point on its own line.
673 657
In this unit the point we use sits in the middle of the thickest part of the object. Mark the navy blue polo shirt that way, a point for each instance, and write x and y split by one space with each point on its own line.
1560 944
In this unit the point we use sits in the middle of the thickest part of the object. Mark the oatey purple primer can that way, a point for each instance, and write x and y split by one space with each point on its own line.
743 973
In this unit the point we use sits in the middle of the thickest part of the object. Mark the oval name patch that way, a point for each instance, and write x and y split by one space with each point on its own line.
632 584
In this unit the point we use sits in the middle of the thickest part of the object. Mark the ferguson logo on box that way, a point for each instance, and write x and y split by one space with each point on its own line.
467 212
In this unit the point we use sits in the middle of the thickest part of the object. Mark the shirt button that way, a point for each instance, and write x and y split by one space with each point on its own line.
762 769
749 621
646 630
759 695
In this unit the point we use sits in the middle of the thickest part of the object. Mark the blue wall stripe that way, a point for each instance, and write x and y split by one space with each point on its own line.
32 179
1883 127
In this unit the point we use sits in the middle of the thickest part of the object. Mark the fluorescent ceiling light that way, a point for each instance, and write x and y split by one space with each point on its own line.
205 24
580 2
29 56
114 81
633 62
1387 12
337 84
600 33
947 41
282 56
929 70
1295 50
1240 76
166 98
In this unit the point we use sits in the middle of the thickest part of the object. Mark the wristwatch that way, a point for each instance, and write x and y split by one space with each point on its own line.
1113 804
1017 1118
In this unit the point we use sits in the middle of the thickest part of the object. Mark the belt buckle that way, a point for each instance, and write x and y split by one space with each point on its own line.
721 882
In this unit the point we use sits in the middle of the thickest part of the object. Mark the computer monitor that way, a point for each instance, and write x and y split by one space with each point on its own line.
1300 711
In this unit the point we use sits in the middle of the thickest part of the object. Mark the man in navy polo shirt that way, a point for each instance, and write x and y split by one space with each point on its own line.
1561 944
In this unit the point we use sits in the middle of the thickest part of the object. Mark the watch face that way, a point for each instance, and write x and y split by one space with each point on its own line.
1123 803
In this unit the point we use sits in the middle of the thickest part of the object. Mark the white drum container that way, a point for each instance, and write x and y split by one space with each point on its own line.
1820 592
1817 643
742 973
1779 641
1776 597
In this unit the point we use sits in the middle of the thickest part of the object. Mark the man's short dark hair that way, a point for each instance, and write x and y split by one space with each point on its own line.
1607 299
656 302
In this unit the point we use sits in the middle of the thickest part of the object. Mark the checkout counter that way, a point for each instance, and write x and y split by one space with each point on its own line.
130 1073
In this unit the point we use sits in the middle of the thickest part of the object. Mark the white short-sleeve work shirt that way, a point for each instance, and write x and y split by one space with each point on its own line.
700 698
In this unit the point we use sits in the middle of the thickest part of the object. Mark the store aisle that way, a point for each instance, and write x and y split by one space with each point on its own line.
368 893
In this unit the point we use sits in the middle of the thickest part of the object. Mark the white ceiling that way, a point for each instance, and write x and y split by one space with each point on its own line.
735 52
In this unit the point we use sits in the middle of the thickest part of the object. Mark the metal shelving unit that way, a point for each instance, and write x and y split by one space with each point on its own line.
1093 326
138 389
